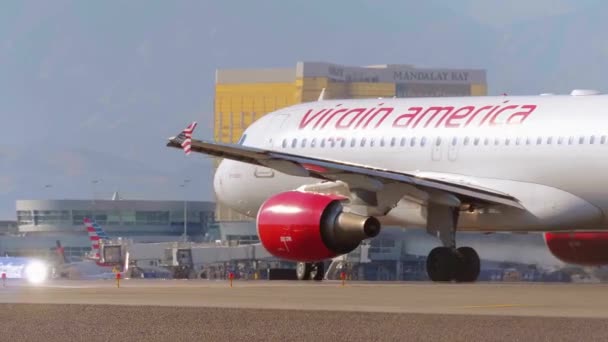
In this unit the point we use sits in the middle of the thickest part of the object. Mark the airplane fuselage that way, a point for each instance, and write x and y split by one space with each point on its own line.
547 151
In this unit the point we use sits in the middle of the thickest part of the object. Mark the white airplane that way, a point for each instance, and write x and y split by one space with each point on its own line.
321 177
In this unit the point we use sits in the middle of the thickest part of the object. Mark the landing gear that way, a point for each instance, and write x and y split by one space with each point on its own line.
469 267
449 263
441 264
318 271
308 271
303 270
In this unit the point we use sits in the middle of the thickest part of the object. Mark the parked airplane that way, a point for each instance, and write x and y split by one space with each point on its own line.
321 177
92 267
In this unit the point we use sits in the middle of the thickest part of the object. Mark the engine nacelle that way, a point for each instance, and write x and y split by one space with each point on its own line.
580 248
309 227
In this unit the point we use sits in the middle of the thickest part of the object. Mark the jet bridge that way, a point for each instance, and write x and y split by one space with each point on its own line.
187 259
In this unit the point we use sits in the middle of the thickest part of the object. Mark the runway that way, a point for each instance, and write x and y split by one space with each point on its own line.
522 299
261 310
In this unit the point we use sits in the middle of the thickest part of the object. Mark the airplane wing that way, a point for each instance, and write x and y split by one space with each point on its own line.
332 170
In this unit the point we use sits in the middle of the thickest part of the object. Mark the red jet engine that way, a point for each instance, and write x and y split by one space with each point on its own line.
310 227
579 248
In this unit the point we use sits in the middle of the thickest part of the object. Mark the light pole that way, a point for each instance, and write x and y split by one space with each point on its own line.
94 183
183 185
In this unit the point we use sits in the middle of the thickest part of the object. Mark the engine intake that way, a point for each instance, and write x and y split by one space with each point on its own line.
310 227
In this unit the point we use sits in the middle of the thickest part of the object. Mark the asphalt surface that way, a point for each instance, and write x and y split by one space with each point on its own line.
279 311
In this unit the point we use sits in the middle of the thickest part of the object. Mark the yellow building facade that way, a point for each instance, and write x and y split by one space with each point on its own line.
244 95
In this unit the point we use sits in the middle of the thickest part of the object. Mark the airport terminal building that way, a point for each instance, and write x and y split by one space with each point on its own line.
40 223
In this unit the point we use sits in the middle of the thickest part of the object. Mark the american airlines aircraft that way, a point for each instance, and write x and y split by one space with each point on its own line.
321 177
91 267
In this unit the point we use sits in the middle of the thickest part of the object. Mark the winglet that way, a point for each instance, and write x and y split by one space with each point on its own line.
322 95
187 137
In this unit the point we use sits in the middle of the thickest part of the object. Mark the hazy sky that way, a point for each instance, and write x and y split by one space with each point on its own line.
91 89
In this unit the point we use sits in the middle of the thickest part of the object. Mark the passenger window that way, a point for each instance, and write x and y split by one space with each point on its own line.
496 142
322 142
332 142
466 141
528 141
393 141
304 142
581 140
549 140
486 141
603 140
284 143
371 142
413 142
517 141
363 142
422 141
592 140
560 140
476 141
342 142
507 141
403 141
570 140
539 141
294 143
454 141
313 143
438 141
353 142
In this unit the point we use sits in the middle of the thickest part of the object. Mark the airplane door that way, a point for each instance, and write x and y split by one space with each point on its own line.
437 149
453 149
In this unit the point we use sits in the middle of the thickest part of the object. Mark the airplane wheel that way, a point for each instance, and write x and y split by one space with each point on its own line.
441 264
303 270
318 271
470 265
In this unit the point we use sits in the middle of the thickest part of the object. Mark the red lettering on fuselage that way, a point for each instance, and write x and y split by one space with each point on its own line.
456 116
336 112
523 115
447 110
433 116
365 116
385 110
355 113
409 116
324 116
308 118
477 112
493 121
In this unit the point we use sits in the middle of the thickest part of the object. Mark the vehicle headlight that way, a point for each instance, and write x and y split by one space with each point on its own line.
36 272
